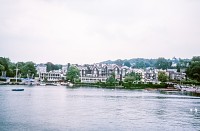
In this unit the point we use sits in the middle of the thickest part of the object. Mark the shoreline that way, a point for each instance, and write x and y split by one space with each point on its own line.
134 87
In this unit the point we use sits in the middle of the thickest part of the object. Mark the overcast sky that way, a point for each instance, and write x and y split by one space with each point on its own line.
90 31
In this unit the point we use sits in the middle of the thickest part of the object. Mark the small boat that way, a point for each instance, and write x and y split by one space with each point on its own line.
63 84
17 89
56 84
70 85
42 84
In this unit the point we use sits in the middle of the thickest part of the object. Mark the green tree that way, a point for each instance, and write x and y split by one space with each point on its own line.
193 71
8 66
162 63
51 66
72 73
178 67
140 64
119 62
162 76
131 77
196 58
127 63
2 68
27 68
111 79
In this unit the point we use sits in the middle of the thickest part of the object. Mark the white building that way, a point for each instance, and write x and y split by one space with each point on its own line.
64 69
53 76
41 68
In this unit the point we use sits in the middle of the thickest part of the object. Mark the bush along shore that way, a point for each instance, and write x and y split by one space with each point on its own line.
123 85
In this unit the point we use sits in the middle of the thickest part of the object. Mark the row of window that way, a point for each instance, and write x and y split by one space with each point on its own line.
58 75
93 79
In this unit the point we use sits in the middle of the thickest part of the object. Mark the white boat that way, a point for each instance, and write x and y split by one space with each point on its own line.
56 84
42 84
64 84
70 84
177 87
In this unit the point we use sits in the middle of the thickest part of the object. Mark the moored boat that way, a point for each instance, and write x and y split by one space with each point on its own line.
56 84
17 89
70 84
42 84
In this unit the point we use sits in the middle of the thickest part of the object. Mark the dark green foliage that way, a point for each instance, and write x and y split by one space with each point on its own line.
119 62
135 62
196 58
127 63
72 74
140 64
125 85
10 68
3 79
144 63
178 67
162 63
111 79
193 71
51 66
2 68
131 77
162 77
129 85
27 69
7 66
14 80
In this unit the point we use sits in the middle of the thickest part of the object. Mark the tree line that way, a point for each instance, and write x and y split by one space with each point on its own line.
160 63
28 69
25 69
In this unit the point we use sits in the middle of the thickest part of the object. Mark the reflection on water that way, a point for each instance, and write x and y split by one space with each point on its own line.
61 108
181 93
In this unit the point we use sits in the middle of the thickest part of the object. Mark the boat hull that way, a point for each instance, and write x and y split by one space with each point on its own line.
17 89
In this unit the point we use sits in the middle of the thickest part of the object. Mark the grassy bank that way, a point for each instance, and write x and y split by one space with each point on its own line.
125 85
187 82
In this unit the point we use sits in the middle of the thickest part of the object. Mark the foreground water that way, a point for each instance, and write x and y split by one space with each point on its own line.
61 108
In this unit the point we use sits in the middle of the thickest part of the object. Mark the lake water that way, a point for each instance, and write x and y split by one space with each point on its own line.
59 108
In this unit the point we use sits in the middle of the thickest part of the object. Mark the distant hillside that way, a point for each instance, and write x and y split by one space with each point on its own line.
144 63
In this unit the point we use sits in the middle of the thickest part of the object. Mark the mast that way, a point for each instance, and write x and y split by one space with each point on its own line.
16 72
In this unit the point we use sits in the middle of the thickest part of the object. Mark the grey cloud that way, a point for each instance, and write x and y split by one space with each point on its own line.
95 30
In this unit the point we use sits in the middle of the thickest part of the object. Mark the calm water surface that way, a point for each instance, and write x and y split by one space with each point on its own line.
60 108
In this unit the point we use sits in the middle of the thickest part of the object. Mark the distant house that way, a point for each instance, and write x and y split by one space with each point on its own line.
100 72
64 69
52 76
41 68
151 75
174 75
